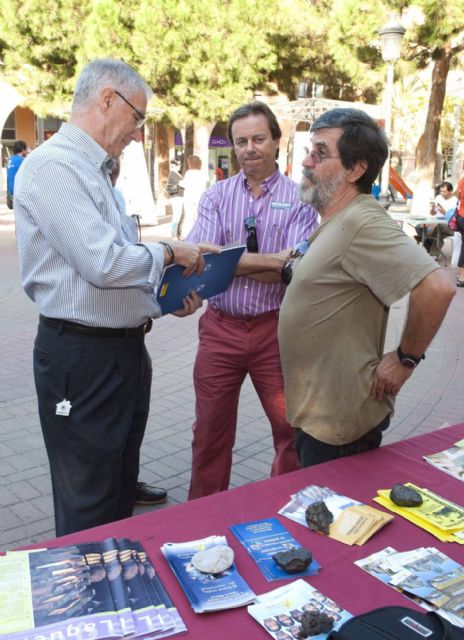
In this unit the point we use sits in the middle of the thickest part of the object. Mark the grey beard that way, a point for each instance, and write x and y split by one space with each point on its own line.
319 193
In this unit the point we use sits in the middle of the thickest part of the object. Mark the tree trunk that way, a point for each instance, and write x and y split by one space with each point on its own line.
188 143
426 151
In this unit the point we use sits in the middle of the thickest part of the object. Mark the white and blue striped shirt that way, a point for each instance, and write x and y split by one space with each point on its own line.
78 260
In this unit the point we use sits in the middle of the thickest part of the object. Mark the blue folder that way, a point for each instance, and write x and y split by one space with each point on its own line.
217 276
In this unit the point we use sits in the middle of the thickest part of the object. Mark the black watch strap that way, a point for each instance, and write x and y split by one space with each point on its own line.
407 360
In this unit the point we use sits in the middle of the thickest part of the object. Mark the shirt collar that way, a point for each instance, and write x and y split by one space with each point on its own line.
266 185
96 154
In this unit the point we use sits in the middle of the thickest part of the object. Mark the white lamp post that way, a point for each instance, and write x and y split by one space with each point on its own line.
391 35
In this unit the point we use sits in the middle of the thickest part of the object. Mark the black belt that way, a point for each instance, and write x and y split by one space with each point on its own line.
65 326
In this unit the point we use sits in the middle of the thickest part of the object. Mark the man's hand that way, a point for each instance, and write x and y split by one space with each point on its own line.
192 302
389 376
189 255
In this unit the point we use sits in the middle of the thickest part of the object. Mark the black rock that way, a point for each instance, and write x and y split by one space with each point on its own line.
315 622
294 560
319 517
405 496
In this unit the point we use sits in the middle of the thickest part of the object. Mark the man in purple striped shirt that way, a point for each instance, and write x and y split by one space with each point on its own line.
258 207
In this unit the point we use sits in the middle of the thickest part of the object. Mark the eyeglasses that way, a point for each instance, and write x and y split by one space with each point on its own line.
252 240
295 256
141 117
317 156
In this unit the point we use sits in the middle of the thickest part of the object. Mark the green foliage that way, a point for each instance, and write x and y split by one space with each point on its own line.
200 61
204 58
41 41
108 30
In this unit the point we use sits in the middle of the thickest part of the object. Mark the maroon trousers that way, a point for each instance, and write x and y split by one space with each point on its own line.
229 348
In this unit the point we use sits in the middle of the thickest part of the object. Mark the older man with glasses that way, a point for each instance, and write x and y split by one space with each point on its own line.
258 207
93 284
340 387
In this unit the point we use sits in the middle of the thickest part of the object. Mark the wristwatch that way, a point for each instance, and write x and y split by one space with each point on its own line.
407 360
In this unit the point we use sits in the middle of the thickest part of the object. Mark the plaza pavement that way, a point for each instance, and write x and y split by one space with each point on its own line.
432 398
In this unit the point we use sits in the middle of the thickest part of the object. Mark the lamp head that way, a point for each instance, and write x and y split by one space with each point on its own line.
391 36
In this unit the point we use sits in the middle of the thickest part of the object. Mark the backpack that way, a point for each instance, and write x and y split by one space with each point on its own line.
397 623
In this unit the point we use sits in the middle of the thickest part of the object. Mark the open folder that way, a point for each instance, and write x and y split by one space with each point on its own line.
217 276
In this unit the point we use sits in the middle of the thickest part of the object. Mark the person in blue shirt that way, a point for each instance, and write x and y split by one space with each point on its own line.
20 152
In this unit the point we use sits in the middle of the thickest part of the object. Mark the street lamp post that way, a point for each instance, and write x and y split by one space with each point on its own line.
391 36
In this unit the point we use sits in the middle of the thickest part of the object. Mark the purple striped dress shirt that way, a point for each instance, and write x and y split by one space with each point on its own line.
282 221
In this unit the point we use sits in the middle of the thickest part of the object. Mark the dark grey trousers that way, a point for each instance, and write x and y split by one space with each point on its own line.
94 451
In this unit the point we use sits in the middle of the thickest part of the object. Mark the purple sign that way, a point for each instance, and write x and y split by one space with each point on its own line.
178 142
219 141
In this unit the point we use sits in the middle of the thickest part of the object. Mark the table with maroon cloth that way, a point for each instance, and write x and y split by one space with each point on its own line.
356 476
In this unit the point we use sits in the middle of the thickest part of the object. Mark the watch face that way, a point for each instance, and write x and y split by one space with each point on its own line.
407 362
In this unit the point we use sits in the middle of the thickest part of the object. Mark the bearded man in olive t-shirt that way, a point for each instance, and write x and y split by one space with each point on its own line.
339 385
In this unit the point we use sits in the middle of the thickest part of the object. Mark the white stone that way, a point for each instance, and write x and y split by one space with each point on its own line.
213 560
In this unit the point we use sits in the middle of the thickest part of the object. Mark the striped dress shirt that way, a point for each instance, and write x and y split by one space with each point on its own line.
282 221
78 260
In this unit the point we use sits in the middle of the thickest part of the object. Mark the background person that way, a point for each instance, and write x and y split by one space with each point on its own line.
258 207
193 184
339 385
176 195
459 193
443 204
20 151
94 289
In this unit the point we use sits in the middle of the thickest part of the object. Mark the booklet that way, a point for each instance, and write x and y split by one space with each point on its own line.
166 611
280 611
217 276
262 539
89 591
424 575
53 592
353 522
438 516
206 591
450 460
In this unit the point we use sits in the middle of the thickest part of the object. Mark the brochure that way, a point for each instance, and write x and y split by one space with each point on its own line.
425 575
262 539
89 591
143 609
205 591
353 522
450 460
438 516
280 611
217 276
166 611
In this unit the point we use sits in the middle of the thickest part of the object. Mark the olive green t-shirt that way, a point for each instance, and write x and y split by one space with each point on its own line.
334 316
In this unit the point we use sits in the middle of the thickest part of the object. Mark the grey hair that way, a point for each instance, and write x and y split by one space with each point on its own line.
107 72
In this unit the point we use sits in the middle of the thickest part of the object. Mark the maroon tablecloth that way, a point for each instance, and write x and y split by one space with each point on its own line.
357 476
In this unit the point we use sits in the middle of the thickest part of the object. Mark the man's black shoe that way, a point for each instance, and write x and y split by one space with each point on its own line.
149 495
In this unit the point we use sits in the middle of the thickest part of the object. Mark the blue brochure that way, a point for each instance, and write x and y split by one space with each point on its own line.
262 539
206 591
217 276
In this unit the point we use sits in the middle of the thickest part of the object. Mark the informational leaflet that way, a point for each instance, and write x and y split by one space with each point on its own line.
438 516
280 611
216 277
353 522
264 538
425 575
87 591
206 591
450 460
